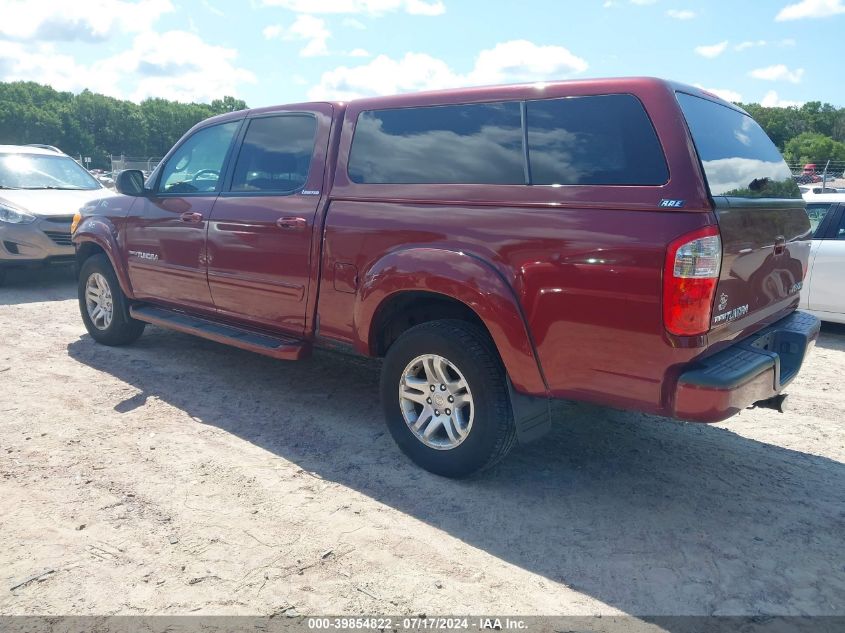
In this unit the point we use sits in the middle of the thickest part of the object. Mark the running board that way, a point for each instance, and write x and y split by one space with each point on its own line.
270 345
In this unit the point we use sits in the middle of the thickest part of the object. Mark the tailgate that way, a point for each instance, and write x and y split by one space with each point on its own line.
762 218
765 249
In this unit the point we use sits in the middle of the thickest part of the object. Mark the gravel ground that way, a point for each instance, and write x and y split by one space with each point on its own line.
181 476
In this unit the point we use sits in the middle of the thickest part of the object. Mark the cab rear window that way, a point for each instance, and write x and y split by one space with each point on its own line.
739 160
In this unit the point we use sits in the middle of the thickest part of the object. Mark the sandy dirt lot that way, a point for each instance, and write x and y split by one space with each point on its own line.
181 476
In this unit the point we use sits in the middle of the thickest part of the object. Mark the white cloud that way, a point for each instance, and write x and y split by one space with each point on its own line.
305 28
212 9
154 66
359 52
749 44
420 7
771 100
810 9
517 60
352 23
643 2
370 7
760 43
778 72
723 93
81 20
383 75
44 65
681 14
162 70
521 60
713 50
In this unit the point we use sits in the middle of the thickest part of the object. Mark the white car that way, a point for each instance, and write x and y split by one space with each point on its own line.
823 293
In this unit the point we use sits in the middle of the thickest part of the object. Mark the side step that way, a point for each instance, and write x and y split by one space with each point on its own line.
270 345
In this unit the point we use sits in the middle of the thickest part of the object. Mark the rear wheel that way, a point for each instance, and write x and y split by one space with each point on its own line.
445 398
104 307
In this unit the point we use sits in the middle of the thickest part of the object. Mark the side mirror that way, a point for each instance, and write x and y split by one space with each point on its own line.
130 182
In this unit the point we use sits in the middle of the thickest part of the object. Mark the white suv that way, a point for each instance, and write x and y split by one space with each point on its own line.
40 190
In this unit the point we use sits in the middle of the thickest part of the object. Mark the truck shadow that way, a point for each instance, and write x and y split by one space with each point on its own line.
647 515
56 283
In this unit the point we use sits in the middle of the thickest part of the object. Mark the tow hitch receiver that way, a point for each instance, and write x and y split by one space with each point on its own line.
778 403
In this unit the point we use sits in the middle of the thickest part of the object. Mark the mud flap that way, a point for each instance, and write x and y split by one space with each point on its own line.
532 415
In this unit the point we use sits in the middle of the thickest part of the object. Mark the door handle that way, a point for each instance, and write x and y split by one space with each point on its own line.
191 217
292 223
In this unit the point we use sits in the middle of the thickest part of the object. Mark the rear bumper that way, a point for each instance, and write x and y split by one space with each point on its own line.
753 369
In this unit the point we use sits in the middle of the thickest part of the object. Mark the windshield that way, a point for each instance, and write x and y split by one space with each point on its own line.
739 159
41 171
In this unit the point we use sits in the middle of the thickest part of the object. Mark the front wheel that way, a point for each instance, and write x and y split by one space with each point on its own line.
445 398
104 307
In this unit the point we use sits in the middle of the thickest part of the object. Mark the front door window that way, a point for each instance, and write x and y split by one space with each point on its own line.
197 164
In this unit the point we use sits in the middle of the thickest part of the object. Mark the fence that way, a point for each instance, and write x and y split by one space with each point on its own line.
829 173
120 163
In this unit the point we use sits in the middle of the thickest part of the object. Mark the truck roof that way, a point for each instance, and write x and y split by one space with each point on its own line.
499 92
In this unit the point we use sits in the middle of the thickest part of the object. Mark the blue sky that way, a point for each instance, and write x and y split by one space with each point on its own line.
779 52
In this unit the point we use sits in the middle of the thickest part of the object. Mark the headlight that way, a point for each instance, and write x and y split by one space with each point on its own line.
13 216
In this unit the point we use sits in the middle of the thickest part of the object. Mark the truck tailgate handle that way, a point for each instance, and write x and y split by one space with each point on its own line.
190 216
780 244
292 223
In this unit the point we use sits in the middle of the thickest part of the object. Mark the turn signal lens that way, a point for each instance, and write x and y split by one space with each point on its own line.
77 217
690 277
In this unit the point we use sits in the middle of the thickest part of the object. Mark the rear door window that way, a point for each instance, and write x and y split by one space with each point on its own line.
477 143
739 160
275 154
593 140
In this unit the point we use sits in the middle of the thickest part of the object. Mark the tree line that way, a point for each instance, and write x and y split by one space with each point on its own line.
91 124
812 133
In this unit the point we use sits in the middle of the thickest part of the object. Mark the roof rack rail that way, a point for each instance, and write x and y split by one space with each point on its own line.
52 148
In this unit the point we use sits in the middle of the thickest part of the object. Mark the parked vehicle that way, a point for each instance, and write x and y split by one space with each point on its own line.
809 174
810 192
824 287
500 247
40 190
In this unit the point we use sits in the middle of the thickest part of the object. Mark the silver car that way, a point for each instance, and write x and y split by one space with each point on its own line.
40 190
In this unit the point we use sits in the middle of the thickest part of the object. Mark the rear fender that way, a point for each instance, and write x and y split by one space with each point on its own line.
464 278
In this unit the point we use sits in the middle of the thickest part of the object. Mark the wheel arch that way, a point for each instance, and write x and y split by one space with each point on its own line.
462 286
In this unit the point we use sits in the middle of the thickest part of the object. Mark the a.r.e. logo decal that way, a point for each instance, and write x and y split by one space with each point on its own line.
671 204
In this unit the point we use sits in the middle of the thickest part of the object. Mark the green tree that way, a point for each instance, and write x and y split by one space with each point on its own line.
91 124
811 147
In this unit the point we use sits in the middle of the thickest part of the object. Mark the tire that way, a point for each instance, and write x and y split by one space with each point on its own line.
120 328
485 416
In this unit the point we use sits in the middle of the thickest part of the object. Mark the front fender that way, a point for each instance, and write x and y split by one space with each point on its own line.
464 278
102 232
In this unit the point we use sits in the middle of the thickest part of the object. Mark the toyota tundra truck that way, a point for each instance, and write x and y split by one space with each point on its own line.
634 242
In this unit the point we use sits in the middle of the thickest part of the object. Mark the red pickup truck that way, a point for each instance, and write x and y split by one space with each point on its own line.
630 242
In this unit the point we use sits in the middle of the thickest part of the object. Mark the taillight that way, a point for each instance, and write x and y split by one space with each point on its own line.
690 276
